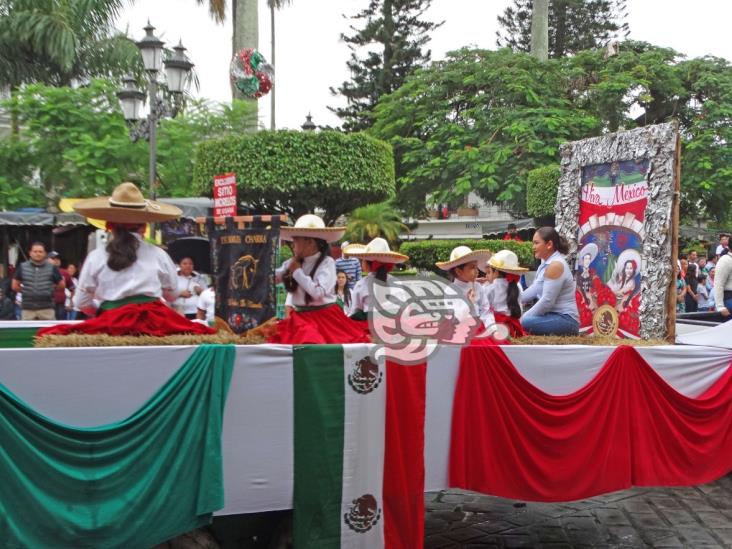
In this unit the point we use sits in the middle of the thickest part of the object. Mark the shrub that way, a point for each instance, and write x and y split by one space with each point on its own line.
424 254
541 190
296 172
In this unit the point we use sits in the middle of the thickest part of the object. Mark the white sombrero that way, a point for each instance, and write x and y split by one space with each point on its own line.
462 255
377 250
506 261
126 205
312 226
590 249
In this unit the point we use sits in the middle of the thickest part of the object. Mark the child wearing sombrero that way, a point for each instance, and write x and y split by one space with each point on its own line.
310 279
505 290
122 286
463 267
379 261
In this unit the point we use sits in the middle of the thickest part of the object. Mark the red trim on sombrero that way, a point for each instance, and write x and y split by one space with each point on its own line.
154 319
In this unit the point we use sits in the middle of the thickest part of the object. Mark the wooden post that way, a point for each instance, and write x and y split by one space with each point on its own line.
674 228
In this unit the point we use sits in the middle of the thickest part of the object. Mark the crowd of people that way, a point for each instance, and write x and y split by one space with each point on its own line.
704 283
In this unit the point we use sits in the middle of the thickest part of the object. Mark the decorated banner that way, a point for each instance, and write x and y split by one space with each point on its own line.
224 195
616 206
243 262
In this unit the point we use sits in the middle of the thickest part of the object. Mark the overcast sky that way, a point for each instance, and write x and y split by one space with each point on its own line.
311 58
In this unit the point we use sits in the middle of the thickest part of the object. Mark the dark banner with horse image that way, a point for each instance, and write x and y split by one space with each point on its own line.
243 263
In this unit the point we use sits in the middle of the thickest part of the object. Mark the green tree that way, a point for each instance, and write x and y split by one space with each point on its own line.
394 35
17 189
55 42
480 120
368 222
574 25
77 139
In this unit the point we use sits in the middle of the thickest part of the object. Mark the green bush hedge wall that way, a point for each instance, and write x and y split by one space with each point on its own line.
424 254
295 172
541 190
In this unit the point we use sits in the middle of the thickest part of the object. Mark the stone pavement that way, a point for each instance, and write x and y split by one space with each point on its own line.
694 517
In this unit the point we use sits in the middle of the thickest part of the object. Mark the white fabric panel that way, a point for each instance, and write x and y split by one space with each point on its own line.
718 336
558 369
258 441
364 433
442 371
690 370
10 324
88 387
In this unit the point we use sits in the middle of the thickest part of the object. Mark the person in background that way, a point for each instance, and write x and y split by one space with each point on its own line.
37 279
206 305
59 296
723 284
343 294
349 265
691 297
190 286
71 313
702 292
723 244
7 307
555 312
680 288
512 233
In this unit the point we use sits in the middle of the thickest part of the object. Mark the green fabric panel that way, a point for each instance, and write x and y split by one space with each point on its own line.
17 337
117 303
319 409
135 483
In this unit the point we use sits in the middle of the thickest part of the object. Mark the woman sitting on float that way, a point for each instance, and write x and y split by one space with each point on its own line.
555 312
504 292
463 268
128 277
310 278
378 259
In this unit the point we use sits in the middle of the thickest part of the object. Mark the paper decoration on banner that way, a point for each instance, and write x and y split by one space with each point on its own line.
250 73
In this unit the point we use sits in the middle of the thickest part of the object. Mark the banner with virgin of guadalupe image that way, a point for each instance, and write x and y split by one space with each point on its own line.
243 265
613 199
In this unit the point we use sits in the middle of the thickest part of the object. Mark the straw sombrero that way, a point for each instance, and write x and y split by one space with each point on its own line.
462 255
350 249
312 226
377 250
506 261
126 205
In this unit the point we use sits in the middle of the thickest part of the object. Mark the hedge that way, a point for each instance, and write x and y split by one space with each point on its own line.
424 254
541 190
296 172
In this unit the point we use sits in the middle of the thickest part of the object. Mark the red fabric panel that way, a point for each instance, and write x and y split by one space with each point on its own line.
320 326
587 210
154 318
515 329
626 427
404 456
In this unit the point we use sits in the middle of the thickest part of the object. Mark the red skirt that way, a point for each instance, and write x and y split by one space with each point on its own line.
513 324
320 326
153 318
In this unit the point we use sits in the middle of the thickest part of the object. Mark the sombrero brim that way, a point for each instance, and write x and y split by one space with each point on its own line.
383 257
516 271
329 234
352 249
481 256
100 208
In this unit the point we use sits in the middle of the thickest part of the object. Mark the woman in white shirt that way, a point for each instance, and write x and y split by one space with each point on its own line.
122 284
310 277
190 286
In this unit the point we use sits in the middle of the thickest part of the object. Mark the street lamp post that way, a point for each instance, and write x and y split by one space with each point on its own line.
177 71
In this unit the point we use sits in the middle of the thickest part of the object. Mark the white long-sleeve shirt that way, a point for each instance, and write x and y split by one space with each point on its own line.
360 295
153 274
479 297
320 287
497 293
722 280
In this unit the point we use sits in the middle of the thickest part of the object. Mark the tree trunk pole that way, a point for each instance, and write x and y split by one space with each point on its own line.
272 124
245 34
540 29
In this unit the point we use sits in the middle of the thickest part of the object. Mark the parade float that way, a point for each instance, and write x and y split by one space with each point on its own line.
131 445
